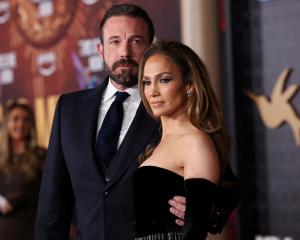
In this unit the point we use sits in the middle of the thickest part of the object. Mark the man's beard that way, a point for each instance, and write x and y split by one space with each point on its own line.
127 77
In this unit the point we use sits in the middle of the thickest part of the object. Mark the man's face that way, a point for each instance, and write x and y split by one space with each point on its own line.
124 41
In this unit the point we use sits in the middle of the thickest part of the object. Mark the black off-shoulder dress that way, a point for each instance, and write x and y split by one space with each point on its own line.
153 188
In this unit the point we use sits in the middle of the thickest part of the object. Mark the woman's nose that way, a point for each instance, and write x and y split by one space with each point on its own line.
154 90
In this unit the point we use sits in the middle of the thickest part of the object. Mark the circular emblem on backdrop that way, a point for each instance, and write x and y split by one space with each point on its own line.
4 12
43 22
89 2
46 64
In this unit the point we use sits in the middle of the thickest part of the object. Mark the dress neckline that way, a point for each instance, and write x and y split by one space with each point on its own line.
162 169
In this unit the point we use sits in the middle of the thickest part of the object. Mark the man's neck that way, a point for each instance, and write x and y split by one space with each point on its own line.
118 86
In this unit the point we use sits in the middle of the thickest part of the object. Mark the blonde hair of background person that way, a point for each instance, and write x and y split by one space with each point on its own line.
25 157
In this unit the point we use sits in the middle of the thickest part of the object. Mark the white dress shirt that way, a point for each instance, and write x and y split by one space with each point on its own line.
130 106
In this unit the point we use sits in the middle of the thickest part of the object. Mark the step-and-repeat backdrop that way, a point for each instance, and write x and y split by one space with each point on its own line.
48 47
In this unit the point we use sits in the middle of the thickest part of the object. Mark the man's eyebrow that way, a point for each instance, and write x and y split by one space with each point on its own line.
137 36
113 37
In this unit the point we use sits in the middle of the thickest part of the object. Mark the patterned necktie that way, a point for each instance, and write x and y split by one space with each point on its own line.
108 136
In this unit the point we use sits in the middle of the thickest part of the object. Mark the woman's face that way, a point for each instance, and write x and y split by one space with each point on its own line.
18 124
164 87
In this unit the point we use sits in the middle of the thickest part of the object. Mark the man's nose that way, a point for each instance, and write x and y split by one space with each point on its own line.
125 50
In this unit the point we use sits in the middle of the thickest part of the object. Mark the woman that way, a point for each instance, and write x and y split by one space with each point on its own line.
189 159
21 161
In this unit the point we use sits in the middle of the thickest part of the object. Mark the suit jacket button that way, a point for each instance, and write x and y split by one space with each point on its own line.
107 179
106 194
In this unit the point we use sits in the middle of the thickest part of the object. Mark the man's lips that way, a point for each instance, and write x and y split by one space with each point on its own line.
126 66
125 63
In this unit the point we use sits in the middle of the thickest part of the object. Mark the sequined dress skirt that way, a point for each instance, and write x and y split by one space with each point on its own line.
162 236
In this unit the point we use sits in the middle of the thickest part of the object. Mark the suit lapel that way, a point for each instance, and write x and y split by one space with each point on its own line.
138 136
88 115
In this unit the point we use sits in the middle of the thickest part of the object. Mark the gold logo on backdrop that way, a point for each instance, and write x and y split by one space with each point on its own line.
277 110
44 33
40 27
44 23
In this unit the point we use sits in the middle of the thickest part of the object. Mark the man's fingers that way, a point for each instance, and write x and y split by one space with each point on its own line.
178 209
178 204
177 213
179 199
5 206
6 209
179 222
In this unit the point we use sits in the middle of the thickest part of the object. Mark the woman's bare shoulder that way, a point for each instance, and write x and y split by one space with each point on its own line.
200 158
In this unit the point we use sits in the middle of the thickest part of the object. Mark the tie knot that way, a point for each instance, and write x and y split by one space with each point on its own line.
121 96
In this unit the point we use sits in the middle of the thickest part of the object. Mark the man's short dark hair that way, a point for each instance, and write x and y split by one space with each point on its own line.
130 10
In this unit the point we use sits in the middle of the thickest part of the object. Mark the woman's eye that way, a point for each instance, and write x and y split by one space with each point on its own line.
146 82
165 80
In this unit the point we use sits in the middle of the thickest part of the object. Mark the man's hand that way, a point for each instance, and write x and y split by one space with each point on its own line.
178 209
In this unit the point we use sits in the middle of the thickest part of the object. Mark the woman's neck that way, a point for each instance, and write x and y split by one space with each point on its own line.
174 126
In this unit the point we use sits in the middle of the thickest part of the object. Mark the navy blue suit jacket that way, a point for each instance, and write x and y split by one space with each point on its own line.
75 177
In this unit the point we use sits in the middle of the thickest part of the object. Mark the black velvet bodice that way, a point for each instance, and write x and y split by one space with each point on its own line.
153 188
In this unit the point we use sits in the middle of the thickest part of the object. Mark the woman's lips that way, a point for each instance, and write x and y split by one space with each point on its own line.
156 103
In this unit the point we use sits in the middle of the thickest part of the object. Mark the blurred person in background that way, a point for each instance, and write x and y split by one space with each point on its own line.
21 164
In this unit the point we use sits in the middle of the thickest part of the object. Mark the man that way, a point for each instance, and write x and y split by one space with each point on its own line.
84 172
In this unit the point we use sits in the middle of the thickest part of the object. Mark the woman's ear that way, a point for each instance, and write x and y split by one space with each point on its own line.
189 89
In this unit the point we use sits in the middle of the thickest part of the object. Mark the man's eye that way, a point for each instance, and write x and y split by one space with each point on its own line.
136 41
114 42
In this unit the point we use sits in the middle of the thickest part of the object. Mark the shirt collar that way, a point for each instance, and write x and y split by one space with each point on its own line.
111 90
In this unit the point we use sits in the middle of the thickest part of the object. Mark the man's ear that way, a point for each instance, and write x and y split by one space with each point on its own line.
100 49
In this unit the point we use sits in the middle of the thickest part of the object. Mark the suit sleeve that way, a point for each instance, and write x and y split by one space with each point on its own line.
56 197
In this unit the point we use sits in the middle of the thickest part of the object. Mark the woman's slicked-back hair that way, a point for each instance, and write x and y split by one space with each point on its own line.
202 106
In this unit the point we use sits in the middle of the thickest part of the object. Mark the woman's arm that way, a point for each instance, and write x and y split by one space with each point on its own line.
201 173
